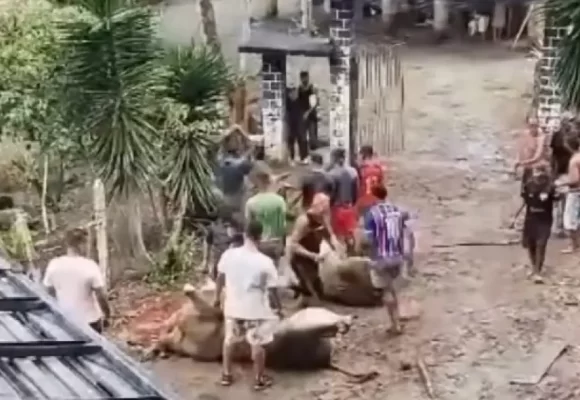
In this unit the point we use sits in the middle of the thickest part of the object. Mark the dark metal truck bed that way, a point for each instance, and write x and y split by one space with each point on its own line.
46 356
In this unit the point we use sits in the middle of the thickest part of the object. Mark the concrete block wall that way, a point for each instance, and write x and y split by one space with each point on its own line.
342 34
549 100
273 98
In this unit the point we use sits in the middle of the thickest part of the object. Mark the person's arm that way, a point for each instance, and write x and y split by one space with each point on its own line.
294 246
248 209
573 173
355 188
369 224
272 287
311 107
537 154
47 281
98 287
222 267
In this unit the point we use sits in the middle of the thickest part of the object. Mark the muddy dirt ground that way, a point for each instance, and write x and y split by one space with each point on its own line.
481 316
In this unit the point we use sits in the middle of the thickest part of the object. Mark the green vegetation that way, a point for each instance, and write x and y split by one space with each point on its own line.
88 84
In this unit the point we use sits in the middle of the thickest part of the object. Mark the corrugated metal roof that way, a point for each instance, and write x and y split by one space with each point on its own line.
44 355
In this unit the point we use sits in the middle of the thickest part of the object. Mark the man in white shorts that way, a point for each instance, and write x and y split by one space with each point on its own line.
572 207
250 279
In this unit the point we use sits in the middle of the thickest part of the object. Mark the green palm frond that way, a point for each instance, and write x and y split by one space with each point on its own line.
566 13
198 76
112 80
188 169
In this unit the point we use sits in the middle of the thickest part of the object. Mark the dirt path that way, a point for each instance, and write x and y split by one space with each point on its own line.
481 315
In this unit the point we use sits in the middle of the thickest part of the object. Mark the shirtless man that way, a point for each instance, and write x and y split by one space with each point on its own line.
303 248
561 154
531 149
572 207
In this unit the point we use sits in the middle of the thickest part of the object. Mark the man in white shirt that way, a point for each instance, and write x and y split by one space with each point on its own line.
77 283
250 280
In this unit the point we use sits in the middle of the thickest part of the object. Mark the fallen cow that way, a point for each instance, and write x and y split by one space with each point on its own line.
301 341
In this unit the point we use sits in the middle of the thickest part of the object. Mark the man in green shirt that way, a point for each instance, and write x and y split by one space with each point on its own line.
269 208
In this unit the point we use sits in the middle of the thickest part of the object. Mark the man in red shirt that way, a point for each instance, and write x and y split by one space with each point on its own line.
371 173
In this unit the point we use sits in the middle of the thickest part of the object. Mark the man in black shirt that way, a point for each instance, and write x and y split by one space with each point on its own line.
316 180
296 134
539 194
308 104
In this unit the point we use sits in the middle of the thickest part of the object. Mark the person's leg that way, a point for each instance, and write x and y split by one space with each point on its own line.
291 142
392 304
558 217
381 280
302 146
259 334
305 288
232 334
313 134
541 253
571 221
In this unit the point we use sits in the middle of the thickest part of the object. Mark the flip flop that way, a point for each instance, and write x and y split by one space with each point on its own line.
263 383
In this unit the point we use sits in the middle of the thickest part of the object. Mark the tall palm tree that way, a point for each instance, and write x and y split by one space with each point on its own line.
113 80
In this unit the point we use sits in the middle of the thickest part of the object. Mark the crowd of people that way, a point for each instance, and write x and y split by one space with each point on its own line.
550 188
346 206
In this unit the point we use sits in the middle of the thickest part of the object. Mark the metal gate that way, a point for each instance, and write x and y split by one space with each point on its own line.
380 93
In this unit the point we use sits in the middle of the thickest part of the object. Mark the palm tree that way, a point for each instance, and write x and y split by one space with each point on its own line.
566 13
113 80
199 79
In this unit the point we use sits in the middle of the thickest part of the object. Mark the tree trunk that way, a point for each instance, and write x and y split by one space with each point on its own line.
100 215
440 16
209 24
138 247
178 223
159 216
43 210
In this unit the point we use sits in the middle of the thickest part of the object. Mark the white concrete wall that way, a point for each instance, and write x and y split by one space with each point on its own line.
181 21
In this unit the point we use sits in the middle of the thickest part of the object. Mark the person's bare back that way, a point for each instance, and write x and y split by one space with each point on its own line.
531 146
574 171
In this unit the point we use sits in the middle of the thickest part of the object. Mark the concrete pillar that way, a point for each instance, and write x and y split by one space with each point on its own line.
342 36
549 100
274 104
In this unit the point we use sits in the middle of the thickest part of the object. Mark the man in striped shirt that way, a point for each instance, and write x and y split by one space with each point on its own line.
385 225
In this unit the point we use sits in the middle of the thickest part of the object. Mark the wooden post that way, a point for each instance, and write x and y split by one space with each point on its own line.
100 215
